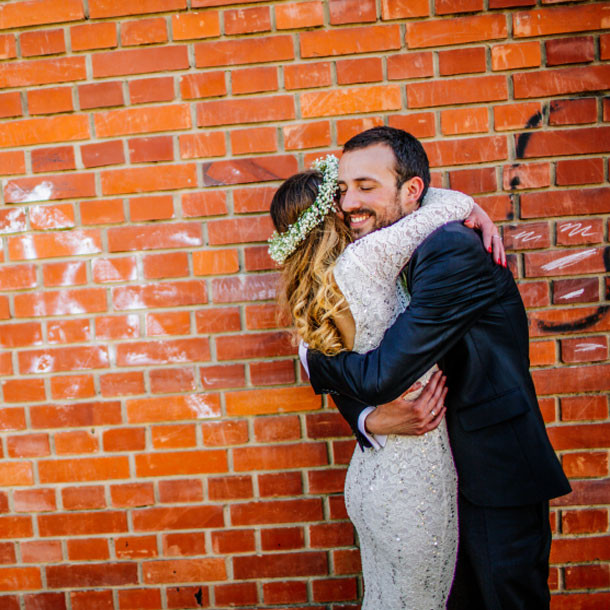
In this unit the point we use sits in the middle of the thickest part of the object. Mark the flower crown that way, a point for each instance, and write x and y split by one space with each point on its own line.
282 245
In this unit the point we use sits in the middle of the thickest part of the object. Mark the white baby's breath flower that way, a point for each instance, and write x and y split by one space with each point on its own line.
281 246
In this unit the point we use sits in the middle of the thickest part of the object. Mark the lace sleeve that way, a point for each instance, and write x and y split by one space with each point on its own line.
378 258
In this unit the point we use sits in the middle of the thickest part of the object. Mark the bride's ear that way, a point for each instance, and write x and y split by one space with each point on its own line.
410 191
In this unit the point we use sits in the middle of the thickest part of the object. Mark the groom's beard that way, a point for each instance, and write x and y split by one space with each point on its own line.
377 219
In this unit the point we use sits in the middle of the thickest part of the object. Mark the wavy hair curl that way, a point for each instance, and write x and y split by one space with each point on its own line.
308 291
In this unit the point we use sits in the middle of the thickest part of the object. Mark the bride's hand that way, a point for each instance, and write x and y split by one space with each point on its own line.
492 241
413 417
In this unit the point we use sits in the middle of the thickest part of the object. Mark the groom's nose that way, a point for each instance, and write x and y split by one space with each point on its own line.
349 202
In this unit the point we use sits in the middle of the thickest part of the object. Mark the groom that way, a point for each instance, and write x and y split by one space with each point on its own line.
465 314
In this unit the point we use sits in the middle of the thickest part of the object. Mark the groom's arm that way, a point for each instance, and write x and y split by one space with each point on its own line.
451 285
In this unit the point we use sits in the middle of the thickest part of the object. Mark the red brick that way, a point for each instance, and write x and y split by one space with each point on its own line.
143 31
211 203
462 61
223 376
233 541
85 469
10 105
345 41
219 434
579 171
90 549
146 90
573 112
171 380
585 464
8 46
580 290
215 320
580 231
336 589
560 81
574 379
272 373
517 116
41 551
244 51
181 596
42 72
253 80
564 262
513 56
42 42
352 11
282 539
350 101
93 36
270 401
283 456
28 445
75 442
191 26
124 439
281 565
207 84
594 319
526 176
580 408
38 12
60 186
20 579
287 592
584 521
82 498
50 101
113 123
230 488
587 577
527 236
457 91
464 120
178 545
100 9
253 140
560 20
80 524
459 30
101 154
351 71
447 7
278 484
477 150
181 490
569 51
132 494
140 599
91 575
404 9
174 436
134 547
184 570
307 75
239 111
247 20
139 61
17 390
565 203
174 408
299 15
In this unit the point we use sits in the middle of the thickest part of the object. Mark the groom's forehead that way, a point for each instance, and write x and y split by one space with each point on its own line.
373 161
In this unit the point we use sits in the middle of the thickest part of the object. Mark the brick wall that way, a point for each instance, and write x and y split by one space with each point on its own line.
160 447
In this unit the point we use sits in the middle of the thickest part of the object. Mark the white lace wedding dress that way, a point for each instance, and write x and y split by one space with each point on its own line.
402 498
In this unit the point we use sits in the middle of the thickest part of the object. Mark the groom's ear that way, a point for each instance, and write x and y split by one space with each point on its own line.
410 194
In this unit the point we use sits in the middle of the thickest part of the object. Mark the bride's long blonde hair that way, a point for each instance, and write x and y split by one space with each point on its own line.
308 291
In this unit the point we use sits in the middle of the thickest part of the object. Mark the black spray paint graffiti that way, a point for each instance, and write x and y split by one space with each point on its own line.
575 325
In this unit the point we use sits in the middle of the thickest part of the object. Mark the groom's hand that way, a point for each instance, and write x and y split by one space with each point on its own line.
414 417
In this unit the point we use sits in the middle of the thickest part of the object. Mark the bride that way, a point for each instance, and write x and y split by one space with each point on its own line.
343 295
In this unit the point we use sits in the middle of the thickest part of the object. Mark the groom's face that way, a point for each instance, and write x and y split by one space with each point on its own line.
369 196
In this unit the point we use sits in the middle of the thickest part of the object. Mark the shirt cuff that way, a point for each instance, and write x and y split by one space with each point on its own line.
378 441
303 356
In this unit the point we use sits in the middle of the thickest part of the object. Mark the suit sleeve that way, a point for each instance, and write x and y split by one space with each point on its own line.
452 284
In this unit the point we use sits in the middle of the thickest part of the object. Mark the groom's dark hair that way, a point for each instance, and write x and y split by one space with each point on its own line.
411 158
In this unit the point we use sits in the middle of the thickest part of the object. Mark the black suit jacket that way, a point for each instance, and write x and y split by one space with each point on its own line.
466 314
